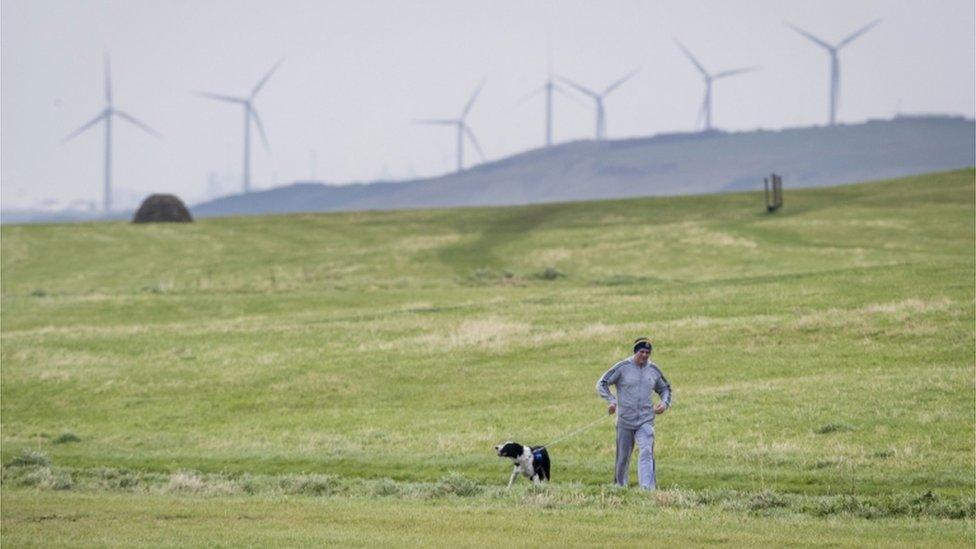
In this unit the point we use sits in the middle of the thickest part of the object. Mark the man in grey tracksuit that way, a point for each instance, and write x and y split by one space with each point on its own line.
635 377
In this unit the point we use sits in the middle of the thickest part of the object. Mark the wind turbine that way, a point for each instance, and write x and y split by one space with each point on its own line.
834 61
601 121
249 113
462 129
706 108
106 115
549 87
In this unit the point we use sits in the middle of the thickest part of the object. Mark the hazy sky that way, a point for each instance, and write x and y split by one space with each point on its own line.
356 74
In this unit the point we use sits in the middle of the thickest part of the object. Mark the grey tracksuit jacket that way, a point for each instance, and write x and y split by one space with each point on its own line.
634 385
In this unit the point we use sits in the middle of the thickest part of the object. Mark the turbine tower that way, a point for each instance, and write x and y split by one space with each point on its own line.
250 113
601 121
834 61
706 108
462 129
549 87
106 115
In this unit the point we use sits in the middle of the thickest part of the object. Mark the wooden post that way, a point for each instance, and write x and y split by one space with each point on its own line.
773 186
766 187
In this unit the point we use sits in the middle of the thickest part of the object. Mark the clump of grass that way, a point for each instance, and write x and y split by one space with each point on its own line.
193 482
931 505
456 484
832 428
38 293
185 482
248 484
28 458
767 499
912 504
849 505
310 485
37 476
539 495
386 487
677 498
65 438
58 480
484 276
117 479
550 273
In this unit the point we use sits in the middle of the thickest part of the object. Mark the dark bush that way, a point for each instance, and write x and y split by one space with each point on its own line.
162 208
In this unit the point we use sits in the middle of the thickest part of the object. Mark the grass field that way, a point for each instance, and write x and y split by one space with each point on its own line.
341 379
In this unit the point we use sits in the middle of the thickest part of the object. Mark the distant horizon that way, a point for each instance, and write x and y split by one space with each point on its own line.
920 115
664 164
129 210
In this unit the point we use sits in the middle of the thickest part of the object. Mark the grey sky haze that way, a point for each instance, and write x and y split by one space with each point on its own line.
356 74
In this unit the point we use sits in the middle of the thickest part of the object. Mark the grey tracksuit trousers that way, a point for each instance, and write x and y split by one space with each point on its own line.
644 437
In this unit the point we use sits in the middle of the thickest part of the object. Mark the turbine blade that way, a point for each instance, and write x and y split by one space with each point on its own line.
808 35
474 96
568 95
437 121
618 83
578 88
732 72
132 120
691 57
530 95
474 141
261 83
81 130
257 121
219 97
108 81
863 30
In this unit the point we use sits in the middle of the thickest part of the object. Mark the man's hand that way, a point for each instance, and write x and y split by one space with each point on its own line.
660 408
611 409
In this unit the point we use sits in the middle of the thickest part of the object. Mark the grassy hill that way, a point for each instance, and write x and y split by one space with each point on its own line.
667 164
341 378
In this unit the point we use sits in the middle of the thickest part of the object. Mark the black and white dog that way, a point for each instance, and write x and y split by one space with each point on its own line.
532 462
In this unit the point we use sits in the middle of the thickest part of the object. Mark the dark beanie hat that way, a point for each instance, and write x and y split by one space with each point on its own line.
642 343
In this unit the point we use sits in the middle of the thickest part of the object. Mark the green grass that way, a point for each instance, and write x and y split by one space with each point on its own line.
169 521
821 357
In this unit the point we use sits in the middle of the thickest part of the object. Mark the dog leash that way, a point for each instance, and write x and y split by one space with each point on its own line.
576 432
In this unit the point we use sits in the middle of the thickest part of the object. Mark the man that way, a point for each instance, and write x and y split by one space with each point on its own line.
634 378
